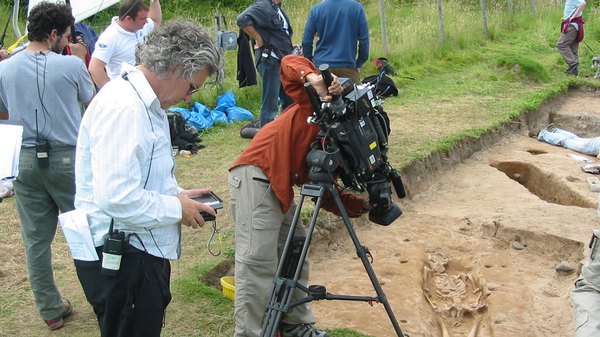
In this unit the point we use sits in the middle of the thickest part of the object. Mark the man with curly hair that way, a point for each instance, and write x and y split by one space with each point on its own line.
125 179
44 91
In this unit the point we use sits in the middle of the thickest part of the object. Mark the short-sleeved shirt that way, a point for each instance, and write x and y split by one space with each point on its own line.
116 46
51 107
570 7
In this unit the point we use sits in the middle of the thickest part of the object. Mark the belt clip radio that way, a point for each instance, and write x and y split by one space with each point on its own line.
41 152
112 252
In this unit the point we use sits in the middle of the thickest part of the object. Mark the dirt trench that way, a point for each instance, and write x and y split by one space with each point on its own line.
490 243
492 238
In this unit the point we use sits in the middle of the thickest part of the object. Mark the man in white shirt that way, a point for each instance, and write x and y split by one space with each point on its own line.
125 179
118 42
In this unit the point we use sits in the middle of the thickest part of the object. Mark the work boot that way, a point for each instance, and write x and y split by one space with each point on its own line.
301 330
573 69
534 132
59 322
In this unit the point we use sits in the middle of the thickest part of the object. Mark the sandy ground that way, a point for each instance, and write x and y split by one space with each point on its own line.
479 248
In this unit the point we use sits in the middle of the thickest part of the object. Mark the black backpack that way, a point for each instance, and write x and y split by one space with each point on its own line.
176 125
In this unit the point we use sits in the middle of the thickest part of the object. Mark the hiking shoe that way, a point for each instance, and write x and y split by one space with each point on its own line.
301 330
573 69
534 132
59 322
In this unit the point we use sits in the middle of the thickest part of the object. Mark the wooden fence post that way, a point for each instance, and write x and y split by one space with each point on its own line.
441 21
484 15
533 7
383 27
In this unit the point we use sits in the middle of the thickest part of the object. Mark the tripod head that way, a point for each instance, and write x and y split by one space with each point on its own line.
353 145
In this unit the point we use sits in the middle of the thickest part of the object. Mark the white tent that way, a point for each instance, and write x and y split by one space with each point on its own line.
82 9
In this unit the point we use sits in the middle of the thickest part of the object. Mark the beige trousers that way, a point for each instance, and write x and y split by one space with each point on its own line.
261 230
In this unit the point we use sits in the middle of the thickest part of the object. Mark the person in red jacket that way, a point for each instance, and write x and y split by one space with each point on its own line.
261 185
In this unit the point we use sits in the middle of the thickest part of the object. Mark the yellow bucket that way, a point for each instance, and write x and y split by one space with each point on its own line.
228 284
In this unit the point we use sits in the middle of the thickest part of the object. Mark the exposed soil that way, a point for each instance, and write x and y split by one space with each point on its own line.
477 248
483 232
491 241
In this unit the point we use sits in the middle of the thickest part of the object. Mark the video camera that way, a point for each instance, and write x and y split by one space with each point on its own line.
353 142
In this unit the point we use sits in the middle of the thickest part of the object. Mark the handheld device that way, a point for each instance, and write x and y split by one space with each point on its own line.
212 200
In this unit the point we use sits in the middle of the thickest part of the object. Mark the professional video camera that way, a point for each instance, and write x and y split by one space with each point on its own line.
353 143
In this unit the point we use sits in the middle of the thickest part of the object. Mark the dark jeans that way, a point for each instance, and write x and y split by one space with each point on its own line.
272 90
133 302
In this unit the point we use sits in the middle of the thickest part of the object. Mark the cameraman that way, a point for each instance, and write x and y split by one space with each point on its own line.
262 200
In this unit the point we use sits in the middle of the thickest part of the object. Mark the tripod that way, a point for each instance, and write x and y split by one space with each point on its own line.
294 254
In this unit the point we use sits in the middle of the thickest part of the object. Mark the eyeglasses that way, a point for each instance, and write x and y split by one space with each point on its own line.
193 89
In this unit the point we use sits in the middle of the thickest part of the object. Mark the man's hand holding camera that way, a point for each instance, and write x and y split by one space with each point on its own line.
191 209
320 87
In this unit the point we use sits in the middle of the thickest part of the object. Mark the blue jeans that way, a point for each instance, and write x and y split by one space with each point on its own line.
566 139
272 90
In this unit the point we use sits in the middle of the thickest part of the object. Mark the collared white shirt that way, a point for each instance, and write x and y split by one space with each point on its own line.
125 169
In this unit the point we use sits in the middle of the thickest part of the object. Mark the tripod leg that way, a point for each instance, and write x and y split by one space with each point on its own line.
361 251
283 289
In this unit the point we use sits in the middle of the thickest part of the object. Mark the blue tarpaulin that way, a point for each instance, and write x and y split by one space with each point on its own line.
201 117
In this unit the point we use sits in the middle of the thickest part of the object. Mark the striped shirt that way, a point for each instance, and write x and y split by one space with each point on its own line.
125 169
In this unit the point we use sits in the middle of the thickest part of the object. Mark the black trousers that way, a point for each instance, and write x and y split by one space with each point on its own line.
133 302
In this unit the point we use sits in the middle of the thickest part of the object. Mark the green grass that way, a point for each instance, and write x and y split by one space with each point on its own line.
463 88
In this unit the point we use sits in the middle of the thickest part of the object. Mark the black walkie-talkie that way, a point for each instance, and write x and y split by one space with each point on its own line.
41 147
112 251
41 152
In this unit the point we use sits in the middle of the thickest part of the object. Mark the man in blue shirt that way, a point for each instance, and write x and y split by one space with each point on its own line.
343 37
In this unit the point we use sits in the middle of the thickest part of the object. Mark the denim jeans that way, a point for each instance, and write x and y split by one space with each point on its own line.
566 139
272 90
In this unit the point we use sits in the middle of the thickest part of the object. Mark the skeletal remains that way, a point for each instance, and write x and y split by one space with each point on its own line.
451 296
